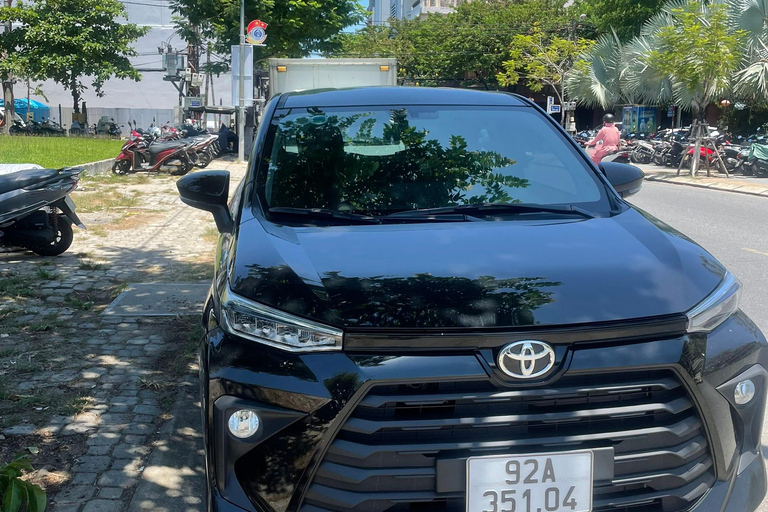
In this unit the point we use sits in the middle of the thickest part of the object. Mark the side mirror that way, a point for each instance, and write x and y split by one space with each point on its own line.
626 179
209 191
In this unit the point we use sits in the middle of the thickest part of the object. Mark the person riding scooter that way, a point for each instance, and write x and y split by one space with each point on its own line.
608 137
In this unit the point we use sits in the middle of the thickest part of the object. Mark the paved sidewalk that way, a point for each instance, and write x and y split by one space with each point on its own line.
716 182
96 399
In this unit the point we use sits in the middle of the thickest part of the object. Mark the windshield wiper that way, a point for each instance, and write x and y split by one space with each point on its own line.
324 213
491 208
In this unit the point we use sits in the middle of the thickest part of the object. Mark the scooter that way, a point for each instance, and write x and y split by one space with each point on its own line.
36 212
139 155
756 161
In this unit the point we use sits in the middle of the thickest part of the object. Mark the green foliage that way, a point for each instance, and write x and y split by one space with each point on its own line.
55 152
542 59
697 52
467 46
14 492
296 27
595 79
71 41
625 18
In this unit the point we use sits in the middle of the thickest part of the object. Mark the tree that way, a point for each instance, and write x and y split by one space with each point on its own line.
543 59
13 63
465 47
699 54
296 27
595 79
74 41
625 18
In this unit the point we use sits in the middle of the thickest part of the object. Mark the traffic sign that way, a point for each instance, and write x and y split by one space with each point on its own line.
554 109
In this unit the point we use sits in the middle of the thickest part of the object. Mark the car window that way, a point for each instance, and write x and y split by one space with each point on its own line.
381 159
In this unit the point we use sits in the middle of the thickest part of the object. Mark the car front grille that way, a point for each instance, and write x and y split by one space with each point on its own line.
387 455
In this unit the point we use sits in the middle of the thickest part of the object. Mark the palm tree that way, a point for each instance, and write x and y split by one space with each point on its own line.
595 80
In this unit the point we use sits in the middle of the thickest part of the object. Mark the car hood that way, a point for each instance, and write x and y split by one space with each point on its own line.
474 274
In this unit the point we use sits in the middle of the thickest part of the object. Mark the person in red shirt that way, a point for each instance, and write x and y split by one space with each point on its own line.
608 137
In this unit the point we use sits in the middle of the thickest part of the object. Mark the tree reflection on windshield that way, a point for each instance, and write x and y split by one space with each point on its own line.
339 162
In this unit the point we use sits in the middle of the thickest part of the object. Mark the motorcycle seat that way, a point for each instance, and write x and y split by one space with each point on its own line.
159 147
22 179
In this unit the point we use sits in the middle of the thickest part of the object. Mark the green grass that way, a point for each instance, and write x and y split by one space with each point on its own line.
55 152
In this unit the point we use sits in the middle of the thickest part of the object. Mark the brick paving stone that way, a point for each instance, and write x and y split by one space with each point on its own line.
138 428
93 463
129 451
134 439
74 494
65 507
20 430
103 506
110 493
141 418
147 410
84 478
99 449
115 419
129 467
116 478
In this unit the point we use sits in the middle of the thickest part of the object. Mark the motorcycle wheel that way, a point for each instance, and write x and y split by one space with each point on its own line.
203 160
60 244
184 169
746 170
121 167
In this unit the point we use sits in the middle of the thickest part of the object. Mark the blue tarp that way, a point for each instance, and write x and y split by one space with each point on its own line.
39 110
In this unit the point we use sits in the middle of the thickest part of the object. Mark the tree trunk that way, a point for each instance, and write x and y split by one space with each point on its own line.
9 106
699 129
76 100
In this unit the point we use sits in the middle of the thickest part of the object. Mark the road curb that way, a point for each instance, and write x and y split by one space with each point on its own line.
738 187
98 167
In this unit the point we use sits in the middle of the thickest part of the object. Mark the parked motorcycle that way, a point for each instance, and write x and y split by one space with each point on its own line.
137 154
642 152
756 161
36 212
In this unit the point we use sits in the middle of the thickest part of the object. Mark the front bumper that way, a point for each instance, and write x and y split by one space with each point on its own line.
305 400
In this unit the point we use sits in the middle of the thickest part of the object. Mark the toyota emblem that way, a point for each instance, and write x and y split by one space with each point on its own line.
526 359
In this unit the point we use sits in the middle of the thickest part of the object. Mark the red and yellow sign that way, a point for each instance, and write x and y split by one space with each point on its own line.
257 32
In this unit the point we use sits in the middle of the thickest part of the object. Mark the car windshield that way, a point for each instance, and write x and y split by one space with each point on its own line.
379 160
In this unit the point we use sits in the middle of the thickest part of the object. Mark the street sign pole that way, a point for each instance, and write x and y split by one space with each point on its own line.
241 108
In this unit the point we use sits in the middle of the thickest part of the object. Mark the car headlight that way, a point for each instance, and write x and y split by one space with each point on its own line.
717 307
276 328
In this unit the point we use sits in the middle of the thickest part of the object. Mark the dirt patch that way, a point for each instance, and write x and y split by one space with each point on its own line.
53 458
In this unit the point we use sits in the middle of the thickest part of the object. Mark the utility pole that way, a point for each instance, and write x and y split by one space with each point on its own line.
208 78
241 109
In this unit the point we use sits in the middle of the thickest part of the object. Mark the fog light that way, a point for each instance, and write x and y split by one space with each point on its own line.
743 392
243 423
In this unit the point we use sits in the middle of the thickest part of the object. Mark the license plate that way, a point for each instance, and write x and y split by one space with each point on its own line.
548 482
69 202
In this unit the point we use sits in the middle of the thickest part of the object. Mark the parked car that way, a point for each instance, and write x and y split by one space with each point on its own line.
430 299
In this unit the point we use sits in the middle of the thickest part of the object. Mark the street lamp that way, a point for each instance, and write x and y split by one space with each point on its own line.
241 109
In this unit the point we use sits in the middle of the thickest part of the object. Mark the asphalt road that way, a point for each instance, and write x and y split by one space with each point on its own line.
733 227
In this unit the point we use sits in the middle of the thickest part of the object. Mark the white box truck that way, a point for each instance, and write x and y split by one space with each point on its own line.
287 75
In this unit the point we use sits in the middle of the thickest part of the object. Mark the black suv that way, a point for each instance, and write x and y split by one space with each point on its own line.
431 300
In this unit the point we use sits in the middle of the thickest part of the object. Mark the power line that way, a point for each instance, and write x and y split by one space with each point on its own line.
162 6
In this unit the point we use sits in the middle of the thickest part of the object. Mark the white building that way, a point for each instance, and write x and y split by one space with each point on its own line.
383 10
152 92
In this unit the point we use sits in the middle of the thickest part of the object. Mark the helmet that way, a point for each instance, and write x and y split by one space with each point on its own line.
608 118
